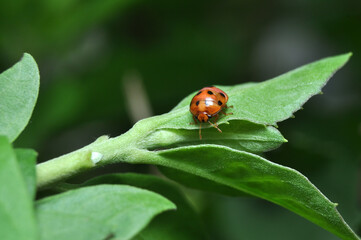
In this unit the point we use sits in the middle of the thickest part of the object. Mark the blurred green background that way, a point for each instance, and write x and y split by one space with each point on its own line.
105 64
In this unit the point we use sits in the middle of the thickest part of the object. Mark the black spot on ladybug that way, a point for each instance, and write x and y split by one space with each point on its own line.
197 103
198 93
210 92
220 103
222 95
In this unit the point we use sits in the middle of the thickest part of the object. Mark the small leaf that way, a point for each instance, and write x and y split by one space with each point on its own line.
17 220
27 160
267 102
98 212
241 135
254 175
184 218
19 87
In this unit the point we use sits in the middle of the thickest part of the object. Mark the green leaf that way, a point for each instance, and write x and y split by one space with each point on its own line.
196 182
27 161
98 212
254 175
17 220
184 218
19 87
241 135
267 102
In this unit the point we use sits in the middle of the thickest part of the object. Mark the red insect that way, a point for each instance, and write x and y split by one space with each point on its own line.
208 103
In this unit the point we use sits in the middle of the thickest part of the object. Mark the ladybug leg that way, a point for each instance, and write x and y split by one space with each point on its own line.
215 125
226 113
215 120
225 107
200 126
200 134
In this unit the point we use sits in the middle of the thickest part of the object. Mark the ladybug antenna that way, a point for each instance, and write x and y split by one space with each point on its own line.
200 135
219 130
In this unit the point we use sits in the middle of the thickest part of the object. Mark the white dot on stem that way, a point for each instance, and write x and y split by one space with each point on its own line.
96 157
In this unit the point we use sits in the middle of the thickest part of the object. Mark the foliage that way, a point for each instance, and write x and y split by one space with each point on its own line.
98 212
16 208
225 163
19 90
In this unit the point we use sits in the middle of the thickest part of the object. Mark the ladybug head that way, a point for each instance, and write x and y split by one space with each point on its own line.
203 117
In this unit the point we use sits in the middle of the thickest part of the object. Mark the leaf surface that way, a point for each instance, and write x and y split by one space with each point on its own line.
251 174
266 102
241 135
184 217
19 87
27 161
17 220
98 212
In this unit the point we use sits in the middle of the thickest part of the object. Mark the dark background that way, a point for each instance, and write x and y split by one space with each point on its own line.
105 64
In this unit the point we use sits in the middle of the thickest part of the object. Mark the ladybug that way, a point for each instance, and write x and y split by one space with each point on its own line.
208 103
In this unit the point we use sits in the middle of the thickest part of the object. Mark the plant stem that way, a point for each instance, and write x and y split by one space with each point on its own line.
59 168
103 151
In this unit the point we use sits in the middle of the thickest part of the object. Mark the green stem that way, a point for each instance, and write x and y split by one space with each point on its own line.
101 152
63 167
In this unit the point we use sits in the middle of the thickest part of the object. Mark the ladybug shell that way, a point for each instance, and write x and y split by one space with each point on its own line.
209 101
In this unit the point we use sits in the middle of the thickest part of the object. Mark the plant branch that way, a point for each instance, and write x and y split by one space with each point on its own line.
103 151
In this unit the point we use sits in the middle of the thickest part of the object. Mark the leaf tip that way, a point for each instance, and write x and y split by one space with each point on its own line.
349 54
25 54
173 207
28 56
345 57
